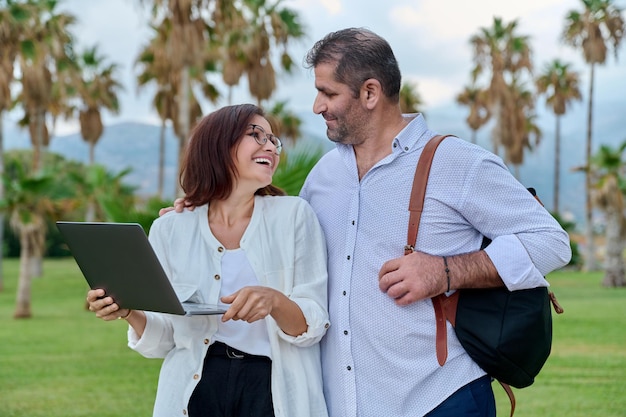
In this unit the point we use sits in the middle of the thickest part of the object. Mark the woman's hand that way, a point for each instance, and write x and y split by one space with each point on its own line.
105 307
257 302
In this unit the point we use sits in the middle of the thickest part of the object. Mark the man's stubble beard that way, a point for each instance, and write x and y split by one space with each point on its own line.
345 134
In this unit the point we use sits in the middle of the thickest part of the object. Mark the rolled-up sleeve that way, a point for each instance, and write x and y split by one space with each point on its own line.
516 267
157 338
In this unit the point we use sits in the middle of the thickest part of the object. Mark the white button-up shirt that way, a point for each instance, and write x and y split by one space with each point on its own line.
285 247
378 358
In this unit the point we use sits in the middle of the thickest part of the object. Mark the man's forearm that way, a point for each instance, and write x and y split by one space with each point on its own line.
472 270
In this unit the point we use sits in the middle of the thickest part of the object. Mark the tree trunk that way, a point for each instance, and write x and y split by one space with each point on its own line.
161 173
557 164
1 251
92 153
590 255
614 261
90 214
184 122
38 149
22 305
38 249
1 197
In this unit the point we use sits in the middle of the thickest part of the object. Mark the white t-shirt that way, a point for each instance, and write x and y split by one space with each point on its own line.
247 337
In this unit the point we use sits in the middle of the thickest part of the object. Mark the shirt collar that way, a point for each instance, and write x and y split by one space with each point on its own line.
411 137
414 136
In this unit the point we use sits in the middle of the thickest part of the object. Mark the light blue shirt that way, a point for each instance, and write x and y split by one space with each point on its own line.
379 359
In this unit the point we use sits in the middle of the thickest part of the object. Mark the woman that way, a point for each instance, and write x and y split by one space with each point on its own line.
246 246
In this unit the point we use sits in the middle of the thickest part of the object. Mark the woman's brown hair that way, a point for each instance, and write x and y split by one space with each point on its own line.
208 170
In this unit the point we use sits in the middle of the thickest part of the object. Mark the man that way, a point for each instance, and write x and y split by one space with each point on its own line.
379 356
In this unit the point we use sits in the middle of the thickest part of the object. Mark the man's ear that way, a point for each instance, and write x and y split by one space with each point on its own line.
371 92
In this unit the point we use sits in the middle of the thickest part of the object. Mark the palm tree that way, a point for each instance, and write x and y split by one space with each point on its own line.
155 69
477 100
229 28
183 46
560 85
102 189
28 203
11 25
600 23
44 55
45 52
506 55
410 98
608 170
97 89
187 50
246 34
518 124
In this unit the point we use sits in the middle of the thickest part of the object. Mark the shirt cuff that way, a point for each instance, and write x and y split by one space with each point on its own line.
513 264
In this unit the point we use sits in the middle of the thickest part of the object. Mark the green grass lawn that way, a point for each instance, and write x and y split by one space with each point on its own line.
63 362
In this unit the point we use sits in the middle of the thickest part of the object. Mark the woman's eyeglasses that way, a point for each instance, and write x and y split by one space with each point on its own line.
261 137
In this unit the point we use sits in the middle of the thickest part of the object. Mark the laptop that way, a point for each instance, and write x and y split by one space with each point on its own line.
119 258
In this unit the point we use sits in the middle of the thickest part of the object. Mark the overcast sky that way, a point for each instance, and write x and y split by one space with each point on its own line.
430 39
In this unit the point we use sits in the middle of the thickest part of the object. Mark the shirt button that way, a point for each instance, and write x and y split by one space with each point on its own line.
406 148
196 376
349 368
344 293
327 325
217 277
220 249
348 257
206 341
345 332
395 145
184 412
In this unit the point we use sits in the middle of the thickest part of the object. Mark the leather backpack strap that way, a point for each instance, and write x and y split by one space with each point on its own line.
416 206
509 393
445 307
420 180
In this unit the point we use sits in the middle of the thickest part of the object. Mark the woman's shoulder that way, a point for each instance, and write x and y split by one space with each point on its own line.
173 219
285 204
281 201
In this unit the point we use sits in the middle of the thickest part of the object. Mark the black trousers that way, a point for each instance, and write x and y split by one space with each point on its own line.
233 384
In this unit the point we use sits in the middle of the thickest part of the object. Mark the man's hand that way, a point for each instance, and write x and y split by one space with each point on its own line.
418 276
179 206
413 277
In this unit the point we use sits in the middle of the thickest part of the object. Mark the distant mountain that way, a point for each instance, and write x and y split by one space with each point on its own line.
127 145
124 145
135 145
